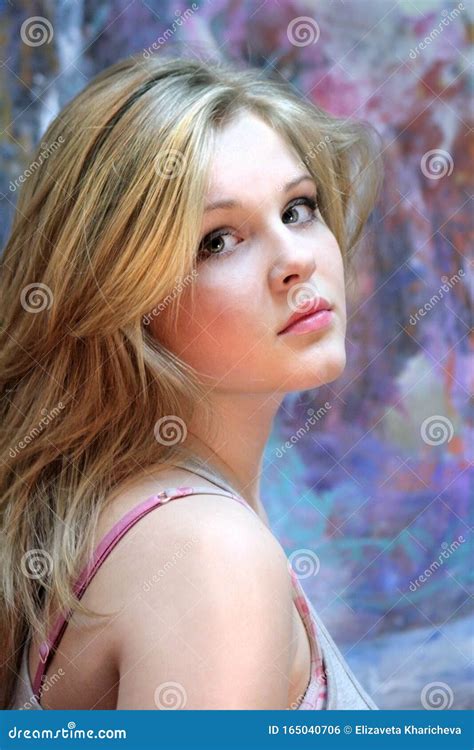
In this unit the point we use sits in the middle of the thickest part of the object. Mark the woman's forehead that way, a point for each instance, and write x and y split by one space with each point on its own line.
248 153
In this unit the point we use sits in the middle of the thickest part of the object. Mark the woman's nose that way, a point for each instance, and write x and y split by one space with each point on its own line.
294 260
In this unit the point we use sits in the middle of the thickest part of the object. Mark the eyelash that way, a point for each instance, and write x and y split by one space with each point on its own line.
308 200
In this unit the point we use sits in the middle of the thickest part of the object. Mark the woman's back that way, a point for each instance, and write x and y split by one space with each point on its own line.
87 670
91 656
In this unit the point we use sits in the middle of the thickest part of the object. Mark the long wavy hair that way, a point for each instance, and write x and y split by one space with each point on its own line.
106 231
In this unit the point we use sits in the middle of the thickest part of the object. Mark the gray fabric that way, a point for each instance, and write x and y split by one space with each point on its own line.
343 689
24 698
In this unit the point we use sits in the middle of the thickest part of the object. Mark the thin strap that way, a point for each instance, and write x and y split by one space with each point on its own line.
106 545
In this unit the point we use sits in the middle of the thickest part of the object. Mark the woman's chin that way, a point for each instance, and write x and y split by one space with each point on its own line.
317 371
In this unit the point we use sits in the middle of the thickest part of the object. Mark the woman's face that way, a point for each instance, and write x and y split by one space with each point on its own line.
267 257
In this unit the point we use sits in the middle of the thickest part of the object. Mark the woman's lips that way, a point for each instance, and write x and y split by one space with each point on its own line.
305 309
311 322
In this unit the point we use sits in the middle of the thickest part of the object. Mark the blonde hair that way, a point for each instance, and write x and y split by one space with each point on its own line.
106 228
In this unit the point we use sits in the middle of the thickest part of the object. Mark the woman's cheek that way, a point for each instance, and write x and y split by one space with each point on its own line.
209 336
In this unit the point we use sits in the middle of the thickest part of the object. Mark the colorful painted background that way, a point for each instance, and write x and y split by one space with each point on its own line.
367 480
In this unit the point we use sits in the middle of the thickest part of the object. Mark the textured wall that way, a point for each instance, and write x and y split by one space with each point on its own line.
366 480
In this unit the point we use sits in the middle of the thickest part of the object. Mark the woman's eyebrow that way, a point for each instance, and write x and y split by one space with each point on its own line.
229 203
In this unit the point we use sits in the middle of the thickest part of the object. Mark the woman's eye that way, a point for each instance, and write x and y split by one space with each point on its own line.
214 243
306 202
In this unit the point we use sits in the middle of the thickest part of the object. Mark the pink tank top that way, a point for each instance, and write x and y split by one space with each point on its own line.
315 696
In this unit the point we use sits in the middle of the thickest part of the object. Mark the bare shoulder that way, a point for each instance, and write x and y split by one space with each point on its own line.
206 609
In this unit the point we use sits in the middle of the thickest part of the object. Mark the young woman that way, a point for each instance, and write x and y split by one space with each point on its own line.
185 216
